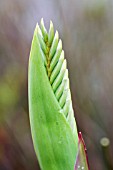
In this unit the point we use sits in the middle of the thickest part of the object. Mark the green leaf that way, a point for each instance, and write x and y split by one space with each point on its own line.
53 126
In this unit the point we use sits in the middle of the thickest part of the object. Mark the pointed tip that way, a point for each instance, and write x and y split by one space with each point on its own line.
43 30
82 158
51 24
51 33
60 41
51 28
59 45
67 85
37 25
42 22
62 53
38 29
66 75
56 34
64 64
61 56
80 136
81 140
56 37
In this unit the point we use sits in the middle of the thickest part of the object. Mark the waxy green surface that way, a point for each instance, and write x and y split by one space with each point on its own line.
54 134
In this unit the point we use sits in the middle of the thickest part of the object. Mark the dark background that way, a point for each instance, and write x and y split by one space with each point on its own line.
86 29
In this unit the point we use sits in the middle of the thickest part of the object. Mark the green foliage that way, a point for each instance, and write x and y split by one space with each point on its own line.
52 120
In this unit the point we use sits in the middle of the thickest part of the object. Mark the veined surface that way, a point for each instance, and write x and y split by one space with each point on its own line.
52 120
56 67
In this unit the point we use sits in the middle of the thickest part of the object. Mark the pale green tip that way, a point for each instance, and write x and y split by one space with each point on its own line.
51 33
42 21
62 56
64 65
51 25
67 84
66 74
62 53
56 35
44 31
42 25
38 30
59 45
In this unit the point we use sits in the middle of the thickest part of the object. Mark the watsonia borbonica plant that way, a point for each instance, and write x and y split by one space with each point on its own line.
52 121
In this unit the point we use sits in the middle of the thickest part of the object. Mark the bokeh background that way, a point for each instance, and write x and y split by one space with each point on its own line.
86 29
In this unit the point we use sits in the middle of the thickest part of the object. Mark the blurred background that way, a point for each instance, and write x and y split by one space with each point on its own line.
86 29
